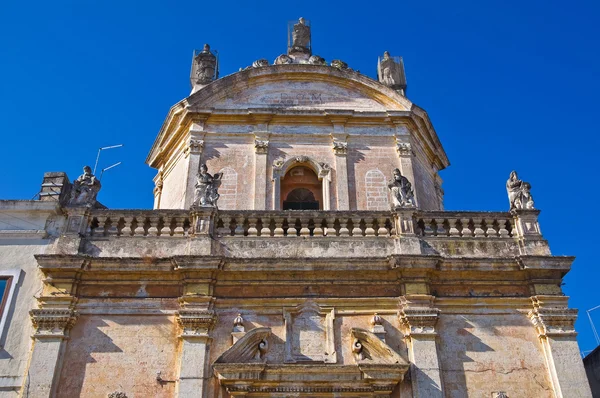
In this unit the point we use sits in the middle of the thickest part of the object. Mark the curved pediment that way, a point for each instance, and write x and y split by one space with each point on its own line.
298 87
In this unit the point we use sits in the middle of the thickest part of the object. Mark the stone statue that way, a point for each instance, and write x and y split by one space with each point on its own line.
206 64
519 193
85 188
300 37
207 186
390 72
402 192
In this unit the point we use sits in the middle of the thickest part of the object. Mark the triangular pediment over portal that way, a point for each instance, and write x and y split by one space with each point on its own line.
298 87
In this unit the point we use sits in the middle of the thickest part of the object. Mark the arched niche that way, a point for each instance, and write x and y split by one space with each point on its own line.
281 168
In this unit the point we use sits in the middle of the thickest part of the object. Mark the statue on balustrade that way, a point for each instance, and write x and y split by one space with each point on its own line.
401 189
207 186
300 37
85 188
519 193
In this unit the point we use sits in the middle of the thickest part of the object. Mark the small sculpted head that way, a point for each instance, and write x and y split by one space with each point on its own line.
397 173
206 48
203 169
87 170
301 21
386 55
513 176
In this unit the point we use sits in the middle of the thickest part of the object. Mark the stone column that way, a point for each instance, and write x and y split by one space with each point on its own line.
52 326
340 149
261 147
419 318
193 153
555 324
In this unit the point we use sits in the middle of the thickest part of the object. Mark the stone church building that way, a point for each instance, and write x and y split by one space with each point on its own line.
310 257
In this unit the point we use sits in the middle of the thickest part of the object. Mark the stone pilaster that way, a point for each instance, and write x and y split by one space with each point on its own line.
193 152
158 186
419 319
555 324
340 149
261 156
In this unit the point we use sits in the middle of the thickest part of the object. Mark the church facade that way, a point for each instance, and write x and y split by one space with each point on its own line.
298 247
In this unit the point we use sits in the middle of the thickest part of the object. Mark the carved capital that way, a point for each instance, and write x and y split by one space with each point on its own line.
553 322
196 323
261 146
404 149
195 146
340 147
52 322
418 317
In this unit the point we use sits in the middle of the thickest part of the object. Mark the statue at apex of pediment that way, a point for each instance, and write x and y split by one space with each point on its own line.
300 37
85 188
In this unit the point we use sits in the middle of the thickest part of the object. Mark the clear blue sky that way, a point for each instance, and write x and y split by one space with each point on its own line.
507 84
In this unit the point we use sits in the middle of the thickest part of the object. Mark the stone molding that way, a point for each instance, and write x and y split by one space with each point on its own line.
196 323
340 147
418 316
194 146
554 322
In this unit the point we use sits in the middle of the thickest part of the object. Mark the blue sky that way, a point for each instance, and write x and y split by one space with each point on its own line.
507 84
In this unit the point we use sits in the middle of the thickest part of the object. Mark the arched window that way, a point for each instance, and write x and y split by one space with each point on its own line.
301 190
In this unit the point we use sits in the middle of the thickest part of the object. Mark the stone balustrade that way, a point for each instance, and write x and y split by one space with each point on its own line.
465 224
248 223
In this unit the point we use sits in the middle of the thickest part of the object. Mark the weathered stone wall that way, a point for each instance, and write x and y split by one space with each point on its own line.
120 353
486 353
424 184
174 188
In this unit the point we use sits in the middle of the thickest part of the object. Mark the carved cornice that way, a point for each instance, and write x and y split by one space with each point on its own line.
340 147
52 322
554 322
261 146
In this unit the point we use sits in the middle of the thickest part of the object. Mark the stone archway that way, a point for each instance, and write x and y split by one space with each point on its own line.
320 170
301 190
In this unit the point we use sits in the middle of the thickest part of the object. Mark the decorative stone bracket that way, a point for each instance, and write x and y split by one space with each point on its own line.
196 323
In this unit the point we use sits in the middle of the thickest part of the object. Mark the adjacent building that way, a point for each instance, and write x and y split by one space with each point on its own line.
310 256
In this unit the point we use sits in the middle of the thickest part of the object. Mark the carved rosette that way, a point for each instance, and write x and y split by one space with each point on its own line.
196 323
551 322
52 322
194 146
261 147
404 149
340 147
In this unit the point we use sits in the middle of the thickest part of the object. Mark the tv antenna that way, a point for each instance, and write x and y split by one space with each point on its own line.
98 157
107 168
592 323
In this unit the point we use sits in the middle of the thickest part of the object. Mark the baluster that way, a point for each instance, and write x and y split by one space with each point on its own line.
177 226
429 227
443 227
492 229
225 228
266 226
455 227
161 226
292 230
344 231
101 229
278 231
479 225
434 227
304 230
370 227
139 226
381 227
329 230
467 228
151 223
128 226
505 228
319 230
356 229
252 231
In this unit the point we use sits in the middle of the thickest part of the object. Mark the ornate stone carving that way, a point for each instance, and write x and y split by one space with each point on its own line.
301 159
260 63
389 72
553 321
283 59
519 195
324 170
309 334
419 319
52 322
85 189
339 64
206 64
195 146
366 346
316 60
207 186
261 147
196 322
300 38
401 189
340 147
404 149
117 394
278 164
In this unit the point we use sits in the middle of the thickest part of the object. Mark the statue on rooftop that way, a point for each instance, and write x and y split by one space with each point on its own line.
401 189
301 37
207 186
389 72
85 188
519 193
206 64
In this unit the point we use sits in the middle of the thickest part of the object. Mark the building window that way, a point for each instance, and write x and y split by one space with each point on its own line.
301 190
9 280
